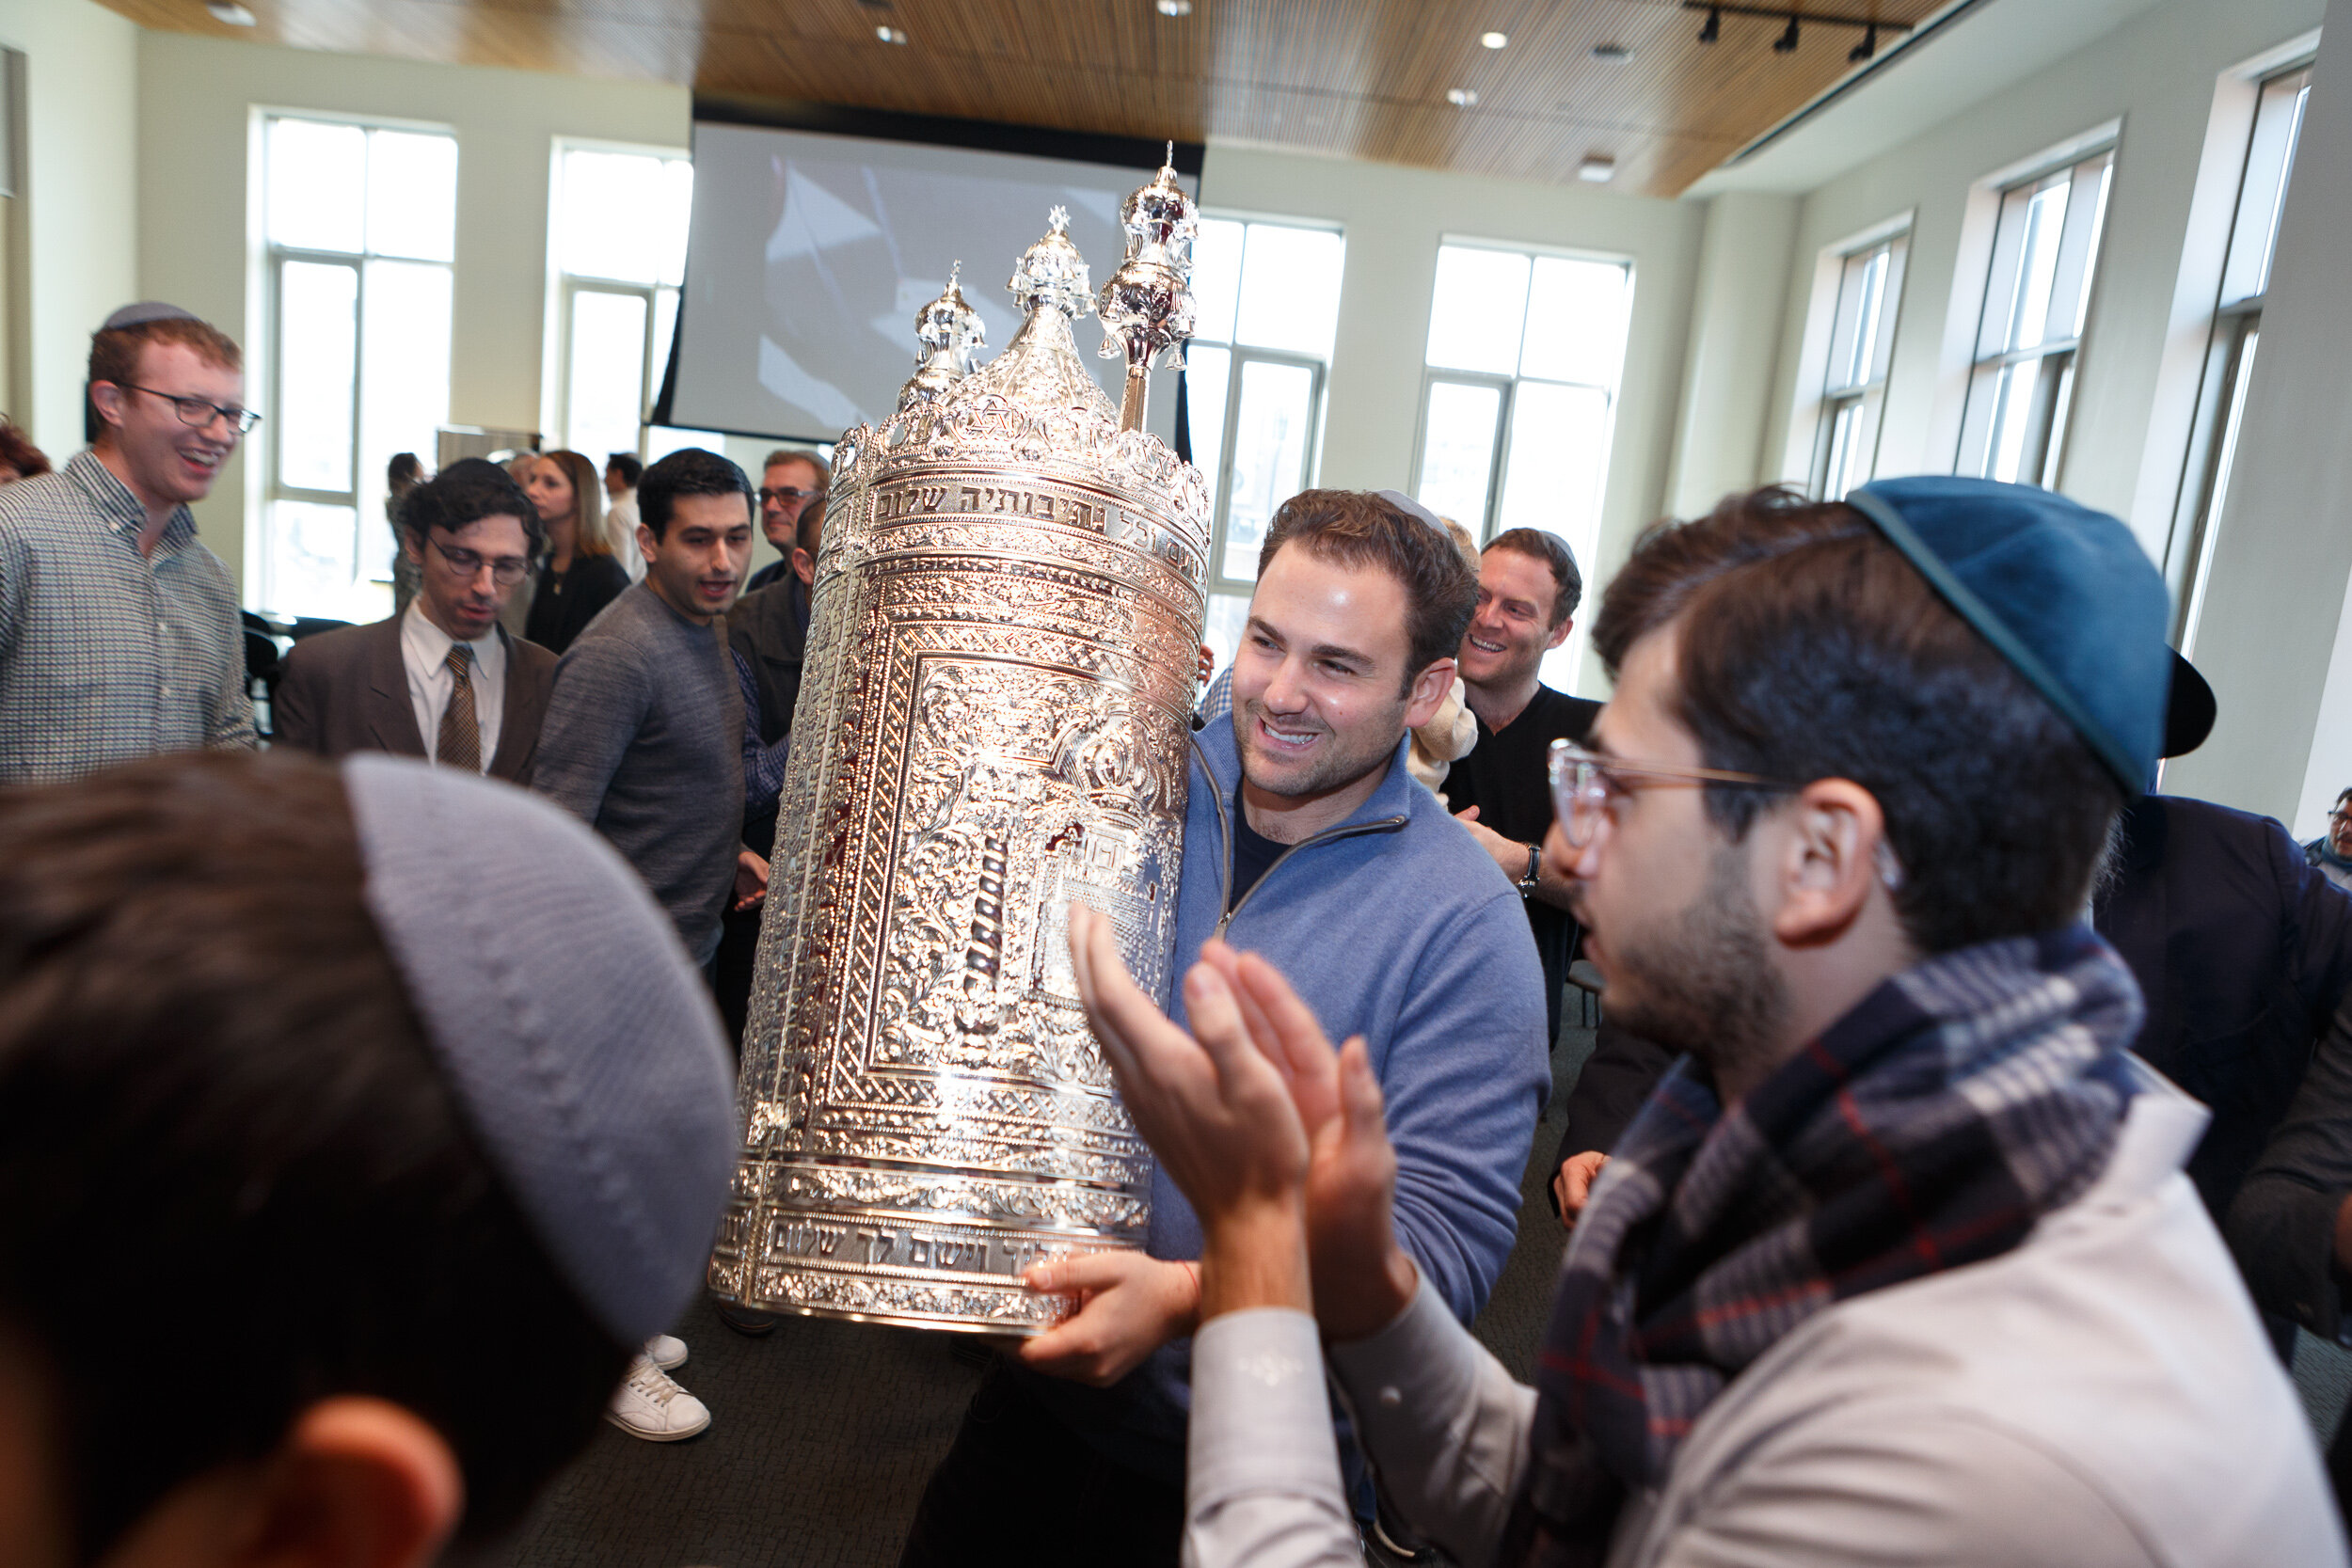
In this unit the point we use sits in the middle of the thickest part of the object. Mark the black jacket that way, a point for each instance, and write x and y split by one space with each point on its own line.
2242 952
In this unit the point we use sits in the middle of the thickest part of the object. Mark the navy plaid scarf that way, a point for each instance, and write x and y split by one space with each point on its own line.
1929 1128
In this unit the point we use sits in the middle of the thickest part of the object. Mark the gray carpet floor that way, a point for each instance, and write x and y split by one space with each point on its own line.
824 1433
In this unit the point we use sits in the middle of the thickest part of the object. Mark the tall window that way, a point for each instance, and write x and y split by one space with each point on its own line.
2030 335
1521 390
1861 341
619 256
1266 308
2236 334
361 227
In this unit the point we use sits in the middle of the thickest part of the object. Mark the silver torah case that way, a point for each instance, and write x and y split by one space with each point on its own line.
993 720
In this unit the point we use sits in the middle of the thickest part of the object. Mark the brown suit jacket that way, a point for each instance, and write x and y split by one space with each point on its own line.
346 691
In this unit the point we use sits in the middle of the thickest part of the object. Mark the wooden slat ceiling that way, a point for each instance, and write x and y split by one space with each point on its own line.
1357 78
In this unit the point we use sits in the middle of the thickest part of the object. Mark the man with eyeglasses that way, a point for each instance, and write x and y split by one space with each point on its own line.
1899 1264
118 631
788 483
2331 851
441 680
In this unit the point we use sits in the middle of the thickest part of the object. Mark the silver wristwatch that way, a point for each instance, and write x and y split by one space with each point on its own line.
1534 862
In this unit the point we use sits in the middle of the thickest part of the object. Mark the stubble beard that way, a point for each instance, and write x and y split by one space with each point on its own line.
1704 982
1335 770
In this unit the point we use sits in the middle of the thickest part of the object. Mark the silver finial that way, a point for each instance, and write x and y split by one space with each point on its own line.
950 332
1146 304
1051 273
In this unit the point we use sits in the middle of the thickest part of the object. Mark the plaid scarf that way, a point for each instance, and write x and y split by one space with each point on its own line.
1928 1128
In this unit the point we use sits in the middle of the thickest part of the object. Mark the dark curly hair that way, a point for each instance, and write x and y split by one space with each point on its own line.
466 492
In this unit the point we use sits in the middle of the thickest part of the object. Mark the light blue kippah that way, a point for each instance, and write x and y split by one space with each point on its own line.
570 1022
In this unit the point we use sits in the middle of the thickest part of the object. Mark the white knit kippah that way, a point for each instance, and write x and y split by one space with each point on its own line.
568 1019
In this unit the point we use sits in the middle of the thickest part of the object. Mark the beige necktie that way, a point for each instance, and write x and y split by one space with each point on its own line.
461 734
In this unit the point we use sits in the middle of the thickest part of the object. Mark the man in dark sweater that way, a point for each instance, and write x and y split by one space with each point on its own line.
1527 591
644 737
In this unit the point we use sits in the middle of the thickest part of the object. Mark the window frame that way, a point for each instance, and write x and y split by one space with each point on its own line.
2082 229
1498 460
2230 350
565 285
272 257
1866 398
1319 371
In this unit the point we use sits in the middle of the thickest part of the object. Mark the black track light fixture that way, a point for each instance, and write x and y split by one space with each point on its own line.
1796 14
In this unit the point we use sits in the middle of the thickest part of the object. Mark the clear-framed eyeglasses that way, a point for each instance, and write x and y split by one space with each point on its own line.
505 570
1583 783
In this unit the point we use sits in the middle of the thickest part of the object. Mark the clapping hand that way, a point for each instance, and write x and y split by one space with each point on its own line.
1217 1112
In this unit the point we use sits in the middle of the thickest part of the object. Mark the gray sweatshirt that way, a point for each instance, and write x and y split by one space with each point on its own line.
643 741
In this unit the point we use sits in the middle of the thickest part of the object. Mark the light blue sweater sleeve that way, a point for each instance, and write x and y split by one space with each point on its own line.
1464 1077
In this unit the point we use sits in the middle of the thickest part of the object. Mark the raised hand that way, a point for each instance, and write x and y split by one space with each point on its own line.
1362 1279
1218 1113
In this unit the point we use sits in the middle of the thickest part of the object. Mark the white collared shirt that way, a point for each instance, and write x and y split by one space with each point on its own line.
424 654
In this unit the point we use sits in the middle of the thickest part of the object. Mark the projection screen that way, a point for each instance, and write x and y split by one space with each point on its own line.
809 254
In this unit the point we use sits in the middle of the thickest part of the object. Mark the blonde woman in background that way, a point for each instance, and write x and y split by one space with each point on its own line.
581 574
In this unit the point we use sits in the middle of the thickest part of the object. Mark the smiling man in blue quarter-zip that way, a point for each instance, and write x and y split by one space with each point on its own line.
1308 841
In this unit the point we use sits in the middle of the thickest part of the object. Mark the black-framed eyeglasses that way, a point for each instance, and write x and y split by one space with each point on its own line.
2341 813
199 413
1583 784
782 493
505 569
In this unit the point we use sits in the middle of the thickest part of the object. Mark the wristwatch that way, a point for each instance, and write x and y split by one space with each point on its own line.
1534 861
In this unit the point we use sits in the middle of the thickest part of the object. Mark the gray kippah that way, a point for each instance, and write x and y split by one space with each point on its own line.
1411 508
148 310
568 1019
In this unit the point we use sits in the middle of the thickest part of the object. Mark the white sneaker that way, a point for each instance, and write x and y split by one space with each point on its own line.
666 1351
648 1404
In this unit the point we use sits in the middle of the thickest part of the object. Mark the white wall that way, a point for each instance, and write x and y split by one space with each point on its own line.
1394 219
81 110
1727 382
196 98
2276 637
2156 74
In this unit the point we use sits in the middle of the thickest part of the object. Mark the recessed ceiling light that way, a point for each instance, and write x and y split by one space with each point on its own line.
230 12
1175 7
891 35
1613 52
1598 168
1461 98
1494 40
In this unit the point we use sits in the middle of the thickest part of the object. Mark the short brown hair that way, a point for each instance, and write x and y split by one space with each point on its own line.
205 1044
796 455
1810 649
114 351
1567 584
808 532
1355 527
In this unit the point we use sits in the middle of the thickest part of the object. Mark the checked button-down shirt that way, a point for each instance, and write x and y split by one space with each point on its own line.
107 655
